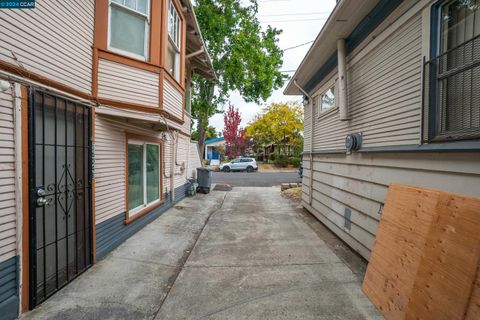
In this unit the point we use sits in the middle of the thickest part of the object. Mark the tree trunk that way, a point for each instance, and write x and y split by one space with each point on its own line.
201 134
202 123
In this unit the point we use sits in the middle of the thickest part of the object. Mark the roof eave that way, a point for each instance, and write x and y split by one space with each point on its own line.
202 62
342 23
291 88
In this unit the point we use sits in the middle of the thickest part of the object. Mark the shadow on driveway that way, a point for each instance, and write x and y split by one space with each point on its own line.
255 179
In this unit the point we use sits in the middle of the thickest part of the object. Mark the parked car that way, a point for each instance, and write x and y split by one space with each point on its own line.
240 164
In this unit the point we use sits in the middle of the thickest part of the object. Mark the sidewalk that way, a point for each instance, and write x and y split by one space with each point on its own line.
265 167
244 254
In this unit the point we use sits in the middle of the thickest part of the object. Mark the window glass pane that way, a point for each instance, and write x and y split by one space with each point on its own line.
130 4
170 20
127 31
458 22
476 24
118 1
328 99
153 172
171 59
135 176
458 111
177 31
142 6
174 25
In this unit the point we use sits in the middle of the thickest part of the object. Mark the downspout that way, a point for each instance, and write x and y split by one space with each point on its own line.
312 122
172 170
17 97
342 79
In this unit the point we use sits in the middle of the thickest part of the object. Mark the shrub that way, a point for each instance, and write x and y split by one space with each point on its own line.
281 161
295 161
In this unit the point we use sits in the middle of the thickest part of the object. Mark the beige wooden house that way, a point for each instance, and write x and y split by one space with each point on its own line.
392 95
94 133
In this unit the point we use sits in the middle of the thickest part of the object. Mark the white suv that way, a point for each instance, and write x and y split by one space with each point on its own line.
240 164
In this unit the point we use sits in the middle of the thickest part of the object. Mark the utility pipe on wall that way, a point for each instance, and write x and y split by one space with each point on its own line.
342 79
312 122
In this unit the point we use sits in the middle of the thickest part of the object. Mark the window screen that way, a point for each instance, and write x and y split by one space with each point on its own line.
129 26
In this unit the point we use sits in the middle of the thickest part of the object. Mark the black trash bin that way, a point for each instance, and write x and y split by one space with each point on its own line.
204 179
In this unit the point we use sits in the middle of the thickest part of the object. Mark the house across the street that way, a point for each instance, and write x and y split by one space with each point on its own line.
213 148
392 95
94 133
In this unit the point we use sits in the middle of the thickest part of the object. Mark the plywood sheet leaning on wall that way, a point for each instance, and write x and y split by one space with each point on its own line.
426 255
473 312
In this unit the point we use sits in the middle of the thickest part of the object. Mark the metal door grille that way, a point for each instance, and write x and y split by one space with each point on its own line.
60 152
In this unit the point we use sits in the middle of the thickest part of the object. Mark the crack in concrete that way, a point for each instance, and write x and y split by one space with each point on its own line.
145 261
171 281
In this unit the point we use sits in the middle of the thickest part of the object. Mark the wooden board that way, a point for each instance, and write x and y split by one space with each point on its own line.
398 249
426 255
449 264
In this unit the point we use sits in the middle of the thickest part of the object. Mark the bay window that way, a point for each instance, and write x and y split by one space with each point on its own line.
454 102
174 41
144 188
129 27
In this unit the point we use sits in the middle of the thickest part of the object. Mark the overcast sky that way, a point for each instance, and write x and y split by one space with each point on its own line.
301 22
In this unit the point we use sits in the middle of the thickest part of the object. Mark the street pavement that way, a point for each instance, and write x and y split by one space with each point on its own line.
244 254
255 179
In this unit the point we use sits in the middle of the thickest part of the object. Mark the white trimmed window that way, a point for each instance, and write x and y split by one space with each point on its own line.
174 41
129 27
326 100
143 175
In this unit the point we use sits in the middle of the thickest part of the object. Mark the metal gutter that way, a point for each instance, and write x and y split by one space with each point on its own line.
369 23
315 43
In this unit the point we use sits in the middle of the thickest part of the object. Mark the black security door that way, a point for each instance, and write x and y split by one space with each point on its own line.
60 192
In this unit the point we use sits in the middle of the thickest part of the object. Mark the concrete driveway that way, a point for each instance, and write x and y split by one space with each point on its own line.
243 254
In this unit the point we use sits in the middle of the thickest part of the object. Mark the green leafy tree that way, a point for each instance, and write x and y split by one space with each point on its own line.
246 58
210 133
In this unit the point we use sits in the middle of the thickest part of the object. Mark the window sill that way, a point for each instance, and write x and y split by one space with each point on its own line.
143 212
327 113
127 54
123 59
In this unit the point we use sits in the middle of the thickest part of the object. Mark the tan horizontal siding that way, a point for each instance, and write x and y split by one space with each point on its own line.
384 95
193 160
360 182
172 99
8 218
52 40
186 125
182 159
110 183
127 84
